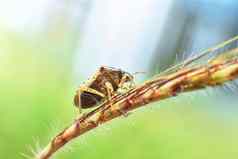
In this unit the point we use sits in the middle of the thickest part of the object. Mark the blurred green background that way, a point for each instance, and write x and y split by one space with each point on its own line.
48 48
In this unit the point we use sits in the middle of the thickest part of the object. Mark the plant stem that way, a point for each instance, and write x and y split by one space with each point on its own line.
184 80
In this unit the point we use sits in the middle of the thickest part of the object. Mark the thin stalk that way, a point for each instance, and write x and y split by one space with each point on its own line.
217 71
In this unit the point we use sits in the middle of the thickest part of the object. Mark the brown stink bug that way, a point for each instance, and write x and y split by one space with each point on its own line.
105 83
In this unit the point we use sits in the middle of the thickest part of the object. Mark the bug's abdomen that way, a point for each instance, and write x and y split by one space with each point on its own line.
88 100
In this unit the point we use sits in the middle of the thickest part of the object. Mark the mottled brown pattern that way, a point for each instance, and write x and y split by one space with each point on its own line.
104 75
98 82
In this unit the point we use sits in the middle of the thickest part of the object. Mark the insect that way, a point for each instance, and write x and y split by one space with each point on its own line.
105 83
157 80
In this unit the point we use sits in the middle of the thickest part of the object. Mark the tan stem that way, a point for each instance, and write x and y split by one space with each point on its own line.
154 90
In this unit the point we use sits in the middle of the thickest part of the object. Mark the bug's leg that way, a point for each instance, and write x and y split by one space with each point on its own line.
90 90
132 84
110 90
80 109
77 101
124 113
125 84
110 93
81 114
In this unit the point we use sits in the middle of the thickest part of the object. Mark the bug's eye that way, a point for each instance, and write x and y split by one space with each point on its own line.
129 78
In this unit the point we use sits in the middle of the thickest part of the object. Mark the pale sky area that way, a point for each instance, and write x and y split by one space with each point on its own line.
117 30
121 33
32 16
25 14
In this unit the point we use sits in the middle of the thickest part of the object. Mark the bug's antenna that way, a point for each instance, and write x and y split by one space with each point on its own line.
138 72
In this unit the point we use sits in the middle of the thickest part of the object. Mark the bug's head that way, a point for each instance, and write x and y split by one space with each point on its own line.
128 77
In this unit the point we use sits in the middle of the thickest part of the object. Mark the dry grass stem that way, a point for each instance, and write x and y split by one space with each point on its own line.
215 72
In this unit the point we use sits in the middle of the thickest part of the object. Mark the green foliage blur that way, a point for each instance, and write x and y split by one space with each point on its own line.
36 93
